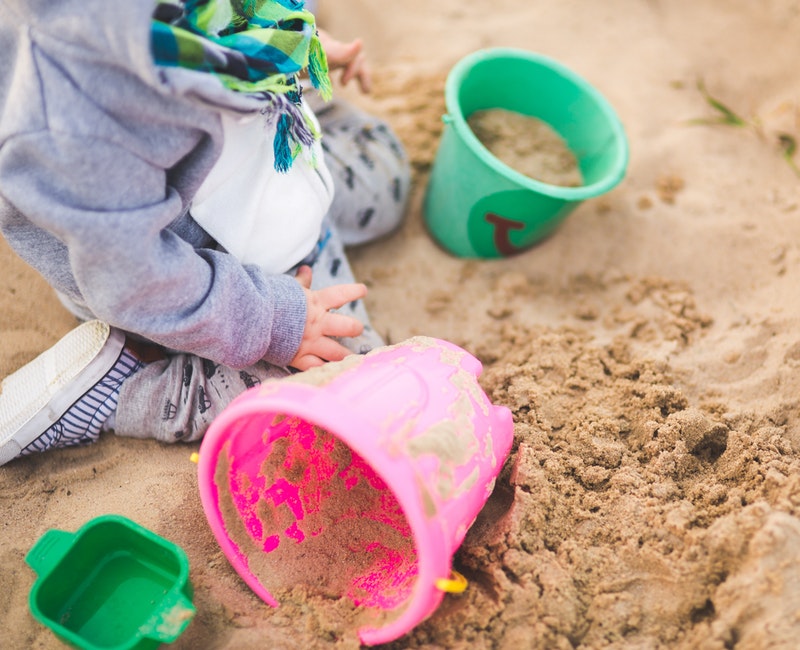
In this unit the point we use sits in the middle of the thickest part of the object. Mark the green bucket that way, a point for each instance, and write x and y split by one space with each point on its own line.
112 585
477 206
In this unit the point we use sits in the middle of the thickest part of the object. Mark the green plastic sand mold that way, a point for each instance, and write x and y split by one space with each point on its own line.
112 585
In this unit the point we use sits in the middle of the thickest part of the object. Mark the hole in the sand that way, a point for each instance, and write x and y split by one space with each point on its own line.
485 582
497 506
706 611
712 446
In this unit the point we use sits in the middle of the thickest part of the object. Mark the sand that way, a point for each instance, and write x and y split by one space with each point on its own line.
649 349
527 145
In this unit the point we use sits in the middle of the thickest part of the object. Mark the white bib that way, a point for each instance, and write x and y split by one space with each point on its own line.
260 215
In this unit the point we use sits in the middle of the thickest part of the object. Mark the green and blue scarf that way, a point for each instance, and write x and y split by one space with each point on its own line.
256 47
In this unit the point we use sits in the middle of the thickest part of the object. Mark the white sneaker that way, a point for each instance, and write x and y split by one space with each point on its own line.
35 399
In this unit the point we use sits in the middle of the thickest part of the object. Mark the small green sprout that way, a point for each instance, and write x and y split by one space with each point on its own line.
787 143
788 146
726 115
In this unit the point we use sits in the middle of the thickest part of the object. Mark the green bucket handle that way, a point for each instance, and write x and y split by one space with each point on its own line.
48 550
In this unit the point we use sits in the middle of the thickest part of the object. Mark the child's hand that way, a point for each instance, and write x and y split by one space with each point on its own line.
350 57
316 346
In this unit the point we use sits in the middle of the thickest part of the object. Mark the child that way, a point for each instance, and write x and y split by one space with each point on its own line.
161 168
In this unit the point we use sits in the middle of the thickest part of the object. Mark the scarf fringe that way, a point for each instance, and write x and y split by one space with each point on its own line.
318 69
292 126
280 145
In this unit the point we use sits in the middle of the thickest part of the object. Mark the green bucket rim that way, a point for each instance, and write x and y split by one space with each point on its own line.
456 118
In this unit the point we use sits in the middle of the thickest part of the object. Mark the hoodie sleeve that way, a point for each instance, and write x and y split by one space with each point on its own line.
111 210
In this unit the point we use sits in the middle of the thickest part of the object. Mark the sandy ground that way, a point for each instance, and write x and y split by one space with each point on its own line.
649 350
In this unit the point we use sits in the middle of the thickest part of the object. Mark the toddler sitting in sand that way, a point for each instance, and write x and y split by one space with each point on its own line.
161 167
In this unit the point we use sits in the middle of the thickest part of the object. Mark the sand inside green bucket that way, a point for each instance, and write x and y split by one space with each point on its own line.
527 145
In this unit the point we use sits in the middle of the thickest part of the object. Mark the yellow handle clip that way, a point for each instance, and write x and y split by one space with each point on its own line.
456 584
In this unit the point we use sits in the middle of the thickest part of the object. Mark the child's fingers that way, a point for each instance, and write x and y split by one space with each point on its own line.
340 325
352 69
358 69
365 78
341 54
348 74
330 350
340 294
306 361
348 52
303 276
322 350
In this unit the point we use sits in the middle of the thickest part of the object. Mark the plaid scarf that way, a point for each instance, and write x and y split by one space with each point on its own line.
253 46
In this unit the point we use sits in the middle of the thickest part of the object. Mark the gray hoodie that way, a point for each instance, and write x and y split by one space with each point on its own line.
101 153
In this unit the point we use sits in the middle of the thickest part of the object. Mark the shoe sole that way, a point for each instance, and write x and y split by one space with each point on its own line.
34 397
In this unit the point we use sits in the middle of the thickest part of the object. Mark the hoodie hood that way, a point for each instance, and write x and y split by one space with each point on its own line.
117 31
118 34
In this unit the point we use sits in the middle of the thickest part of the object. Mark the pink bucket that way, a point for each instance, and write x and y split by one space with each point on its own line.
358 479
